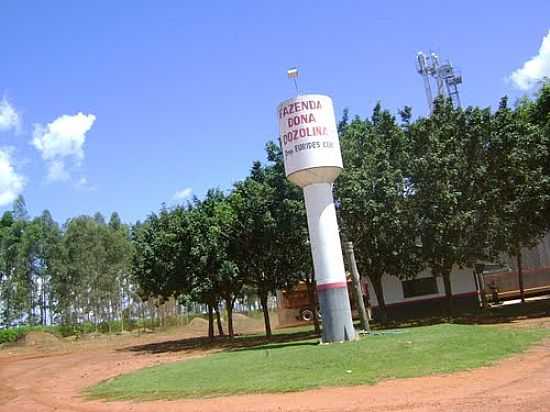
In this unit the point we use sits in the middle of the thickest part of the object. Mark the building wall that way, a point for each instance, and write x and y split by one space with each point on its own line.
462 282
290 304
536 273
534 258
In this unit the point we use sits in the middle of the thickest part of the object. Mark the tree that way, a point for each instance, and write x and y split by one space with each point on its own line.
519 178
16 288
118 248
450 188
269 242
162 263
96 257
39 255
219 276
375 205
10 238
20 209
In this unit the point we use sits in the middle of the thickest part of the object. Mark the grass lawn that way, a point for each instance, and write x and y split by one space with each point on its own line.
295 366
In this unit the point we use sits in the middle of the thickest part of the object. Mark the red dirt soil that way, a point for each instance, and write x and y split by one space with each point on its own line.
36 379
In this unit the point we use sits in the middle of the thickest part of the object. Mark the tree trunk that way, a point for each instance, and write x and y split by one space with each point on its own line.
187 314
31 312
267 322
109 316
448 292
162 314
229 308
379 290
143 315
42 303
520 276
313 298
8 306
109 313
219 320
153 313
210 322
121 309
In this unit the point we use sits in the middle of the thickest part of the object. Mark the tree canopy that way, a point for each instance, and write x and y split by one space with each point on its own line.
431 193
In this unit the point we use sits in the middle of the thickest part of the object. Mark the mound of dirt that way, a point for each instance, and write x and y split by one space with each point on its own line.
36 338
198 324
92 335
241 324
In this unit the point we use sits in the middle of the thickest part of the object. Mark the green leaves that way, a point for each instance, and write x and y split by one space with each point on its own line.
470 184
518 173
269 243
375 210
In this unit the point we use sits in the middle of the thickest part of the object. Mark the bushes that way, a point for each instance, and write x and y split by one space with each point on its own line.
8 335
114 326
75 329
12 334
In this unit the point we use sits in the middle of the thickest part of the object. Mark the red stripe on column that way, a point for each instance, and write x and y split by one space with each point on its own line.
334 285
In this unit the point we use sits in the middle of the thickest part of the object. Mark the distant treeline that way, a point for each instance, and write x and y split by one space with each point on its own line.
70 274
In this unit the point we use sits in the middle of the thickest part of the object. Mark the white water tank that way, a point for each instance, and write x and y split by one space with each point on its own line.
309 139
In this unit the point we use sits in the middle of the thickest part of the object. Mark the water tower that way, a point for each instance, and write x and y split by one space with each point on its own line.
312 158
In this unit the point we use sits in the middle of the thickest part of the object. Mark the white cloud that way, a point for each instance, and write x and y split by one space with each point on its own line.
9 118
11 183
183 193
83 184
57 172
62 139
534 69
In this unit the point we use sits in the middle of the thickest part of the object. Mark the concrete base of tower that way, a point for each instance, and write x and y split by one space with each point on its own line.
337 325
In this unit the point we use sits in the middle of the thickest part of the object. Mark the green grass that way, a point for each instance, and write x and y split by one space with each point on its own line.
296 366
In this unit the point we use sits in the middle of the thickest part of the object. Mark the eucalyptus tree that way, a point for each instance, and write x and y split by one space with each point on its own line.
84 255
375 205
15 286
95 256
11 298
40 255
19 210
119 251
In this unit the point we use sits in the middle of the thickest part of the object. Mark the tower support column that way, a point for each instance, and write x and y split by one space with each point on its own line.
328 263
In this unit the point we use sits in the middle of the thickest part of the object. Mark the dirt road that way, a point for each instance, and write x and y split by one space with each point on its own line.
33 380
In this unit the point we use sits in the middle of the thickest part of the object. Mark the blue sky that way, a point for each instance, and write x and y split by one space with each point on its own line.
180 96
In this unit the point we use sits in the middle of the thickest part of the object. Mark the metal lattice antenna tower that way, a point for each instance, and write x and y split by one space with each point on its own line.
445 76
